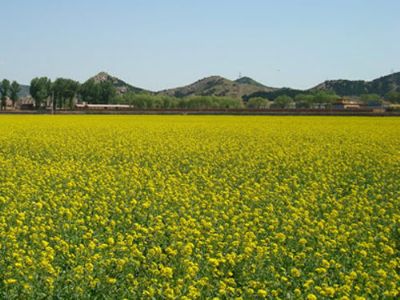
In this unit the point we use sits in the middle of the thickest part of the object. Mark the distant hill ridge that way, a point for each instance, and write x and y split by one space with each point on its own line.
380 86
218 86
24 92
246 87
248 80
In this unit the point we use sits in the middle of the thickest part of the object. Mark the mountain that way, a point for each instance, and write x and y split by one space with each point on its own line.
385 84
121 86
218 86
380 86
275 93
246 87
248 80
24 92
343 87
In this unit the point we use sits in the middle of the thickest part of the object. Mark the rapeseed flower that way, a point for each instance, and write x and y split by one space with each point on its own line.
145 207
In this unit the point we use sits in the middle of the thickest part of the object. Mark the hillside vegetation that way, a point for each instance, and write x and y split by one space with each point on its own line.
219 86
210 92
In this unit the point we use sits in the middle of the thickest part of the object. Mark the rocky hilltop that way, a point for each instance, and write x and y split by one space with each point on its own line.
121 86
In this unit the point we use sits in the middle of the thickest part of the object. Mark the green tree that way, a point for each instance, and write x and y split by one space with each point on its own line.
283 101
142 101
89 91
304 100
258 103
97 93
198 102
57 88
326 99
107 92
4 90
169 102
70 92
15 88
40 90
393 96
371 99
229 103
64 92
210 102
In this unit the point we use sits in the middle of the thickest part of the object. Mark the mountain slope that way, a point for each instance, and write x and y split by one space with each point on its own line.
248 80
271 95
385 84
24 92
343 87
246 87
380 86
218 86
121 86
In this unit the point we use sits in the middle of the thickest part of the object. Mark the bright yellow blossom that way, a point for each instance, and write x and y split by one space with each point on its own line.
199 207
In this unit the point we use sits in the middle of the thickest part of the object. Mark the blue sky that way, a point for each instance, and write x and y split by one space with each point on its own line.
158 44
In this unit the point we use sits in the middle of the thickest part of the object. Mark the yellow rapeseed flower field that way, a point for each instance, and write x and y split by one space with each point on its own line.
199 207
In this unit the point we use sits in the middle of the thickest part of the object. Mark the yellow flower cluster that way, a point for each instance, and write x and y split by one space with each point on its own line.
199 207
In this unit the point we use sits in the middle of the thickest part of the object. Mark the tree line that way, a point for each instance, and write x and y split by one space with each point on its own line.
62 93
148 101
8 90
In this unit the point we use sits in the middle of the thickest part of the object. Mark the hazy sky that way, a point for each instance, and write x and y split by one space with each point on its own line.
161 44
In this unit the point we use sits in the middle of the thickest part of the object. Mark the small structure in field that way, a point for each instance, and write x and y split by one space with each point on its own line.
101 106
25 103
345 103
